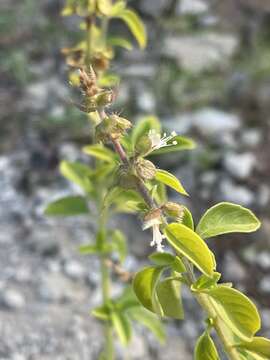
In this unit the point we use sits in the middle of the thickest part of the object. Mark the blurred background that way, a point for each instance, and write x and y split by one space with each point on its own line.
206 74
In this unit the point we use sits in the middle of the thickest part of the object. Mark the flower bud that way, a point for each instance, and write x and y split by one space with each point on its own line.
104 98
112 127
145 169
174 210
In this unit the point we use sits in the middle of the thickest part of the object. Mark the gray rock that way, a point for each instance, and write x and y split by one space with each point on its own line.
54 287
265 284
12 299
192 7
175 349
153 8
263 260
146 101
240 165
40 94
215 122
263 197
251 138
74 270
197 53
139 71
236 193
233 269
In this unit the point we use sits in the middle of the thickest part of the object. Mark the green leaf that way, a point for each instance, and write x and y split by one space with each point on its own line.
105 7
101 313
68 206
188 219
205 282
150 321
128 201
178 265
170 180
258 347
166 259
119 243
119 6
162 259
78 173
183 143
100 152
144 286
189 244
168 294
236 310
135 25
225 218
119 41
122 326
143 126
205 348
89 249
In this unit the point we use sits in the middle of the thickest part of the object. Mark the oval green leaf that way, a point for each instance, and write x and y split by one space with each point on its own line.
68 206
78 173
144 284
188 219
168 294
100 152
236 310
259 347
135 25
205 348
170 180
225 218
189 244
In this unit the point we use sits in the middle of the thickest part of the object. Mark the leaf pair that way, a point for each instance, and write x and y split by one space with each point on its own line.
161 296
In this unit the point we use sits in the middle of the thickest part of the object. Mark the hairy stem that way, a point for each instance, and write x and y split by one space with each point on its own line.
202 299
106 285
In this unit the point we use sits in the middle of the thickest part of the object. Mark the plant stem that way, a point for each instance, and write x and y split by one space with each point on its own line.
202 299
106 285
208 307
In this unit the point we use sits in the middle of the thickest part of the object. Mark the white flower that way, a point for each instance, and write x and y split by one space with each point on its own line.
160 142
153 220
157 238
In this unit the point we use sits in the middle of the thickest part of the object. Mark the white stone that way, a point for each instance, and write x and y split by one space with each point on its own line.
240 165
13 299
265 284
191 7
197 53
146 101
74 270
233 269
251 138
263 260
236 193
214 122
153 8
